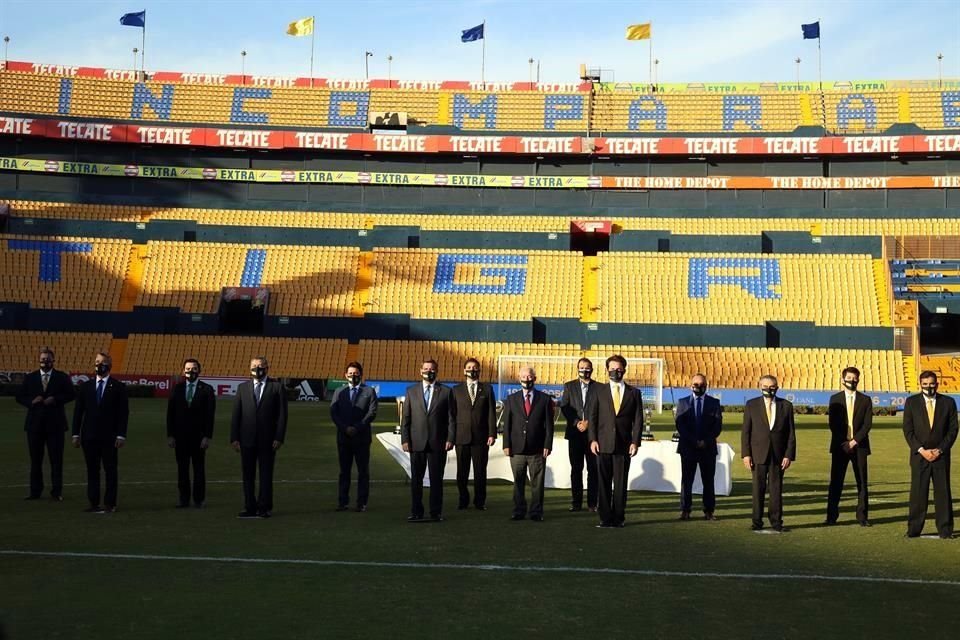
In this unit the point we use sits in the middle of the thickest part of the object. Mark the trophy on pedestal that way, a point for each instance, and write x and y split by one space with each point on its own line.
647 434
400 400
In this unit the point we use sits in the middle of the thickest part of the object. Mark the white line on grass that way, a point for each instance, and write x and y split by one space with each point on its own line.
486 567
142 482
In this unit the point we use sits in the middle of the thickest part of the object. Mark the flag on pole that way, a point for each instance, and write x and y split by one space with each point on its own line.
138 19
639 31
301 27
811 31
472 34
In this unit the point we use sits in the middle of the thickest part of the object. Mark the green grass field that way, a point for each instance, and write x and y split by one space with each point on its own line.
548 578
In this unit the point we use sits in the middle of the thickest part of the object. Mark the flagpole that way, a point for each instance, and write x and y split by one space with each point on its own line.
483 56
823 100
650 63
143 46
313 39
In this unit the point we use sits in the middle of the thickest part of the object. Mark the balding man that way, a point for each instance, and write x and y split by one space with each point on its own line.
768 446
527 441
699 422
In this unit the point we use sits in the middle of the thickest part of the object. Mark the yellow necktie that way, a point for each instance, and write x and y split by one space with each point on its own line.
930 408
616 399
770 413
850 402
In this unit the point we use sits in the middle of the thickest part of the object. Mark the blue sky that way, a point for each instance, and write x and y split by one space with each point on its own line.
695 41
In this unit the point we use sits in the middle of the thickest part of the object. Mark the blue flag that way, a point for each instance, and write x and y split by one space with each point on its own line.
811 31
472 34
138 19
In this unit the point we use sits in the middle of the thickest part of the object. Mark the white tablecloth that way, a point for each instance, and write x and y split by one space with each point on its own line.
656 466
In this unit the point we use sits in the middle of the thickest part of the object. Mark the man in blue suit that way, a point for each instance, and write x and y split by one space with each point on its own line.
353 410
699 422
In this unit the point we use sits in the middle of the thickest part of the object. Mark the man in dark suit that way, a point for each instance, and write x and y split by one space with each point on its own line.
930 428
190 414
257 431
475 410
100 418
353 410
850 416
44 393
768 445
577 396
614 425
699 421
428 429
527 441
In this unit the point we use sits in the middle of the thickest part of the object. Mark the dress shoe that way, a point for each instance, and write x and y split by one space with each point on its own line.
361 508
414 518
56 498
32 498
342 507
575 509
437 518
462 507
112 509
481 507
911 535
592 509
709 516
829 523
263 514
247 515
684 515
604 525
781 529
946 536
756 527
200 505
865 523
517 516
537 518
620 525
94 509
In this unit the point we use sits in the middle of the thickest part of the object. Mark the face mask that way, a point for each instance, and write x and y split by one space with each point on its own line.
46 367
258 372
616 375
472 374
930 391
698 389
191 375
585 373
102 369
770 393
354 380
851 385
429 376
526 384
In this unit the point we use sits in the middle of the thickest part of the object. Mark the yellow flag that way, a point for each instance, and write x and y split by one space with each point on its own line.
302 27
639 31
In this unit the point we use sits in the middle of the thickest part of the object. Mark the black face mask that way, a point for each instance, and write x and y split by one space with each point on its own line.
585 373
46 367
354 380
771 392
473 374
616 375
929 391
258 372
698 389
191 375
102 369
429 376
851 385
526 384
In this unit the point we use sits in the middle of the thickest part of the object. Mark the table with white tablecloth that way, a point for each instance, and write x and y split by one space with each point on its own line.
656 467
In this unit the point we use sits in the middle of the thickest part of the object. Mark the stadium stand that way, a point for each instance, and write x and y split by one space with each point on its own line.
74 352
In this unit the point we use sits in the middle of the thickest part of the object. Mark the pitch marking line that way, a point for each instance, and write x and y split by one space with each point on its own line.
485 567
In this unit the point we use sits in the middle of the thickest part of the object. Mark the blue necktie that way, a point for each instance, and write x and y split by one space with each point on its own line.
426 397
353 395
99 391
699 409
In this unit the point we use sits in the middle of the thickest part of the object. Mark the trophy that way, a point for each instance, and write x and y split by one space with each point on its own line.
676 434
400 400
647 434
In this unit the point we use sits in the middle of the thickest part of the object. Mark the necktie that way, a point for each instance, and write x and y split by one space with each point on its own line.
99 391
616 398
189 394
699 409
583 394
426 396
472 388
526 403
850 401
930 410
45 381
257 390
769 413
353 394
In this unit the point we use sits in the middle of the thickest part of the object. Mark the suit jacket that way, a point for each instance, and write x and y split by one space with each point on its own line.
41 416
195 421
616 431
104 420
708 429
428 428
476 421
359 414
523 434
916 425
258 426
862 421
573 407
758 440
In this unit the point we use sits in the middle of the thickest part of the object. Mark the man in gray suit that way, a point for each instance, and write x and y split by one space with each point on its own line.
353 410
527 441
257 430
577 396
428 430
